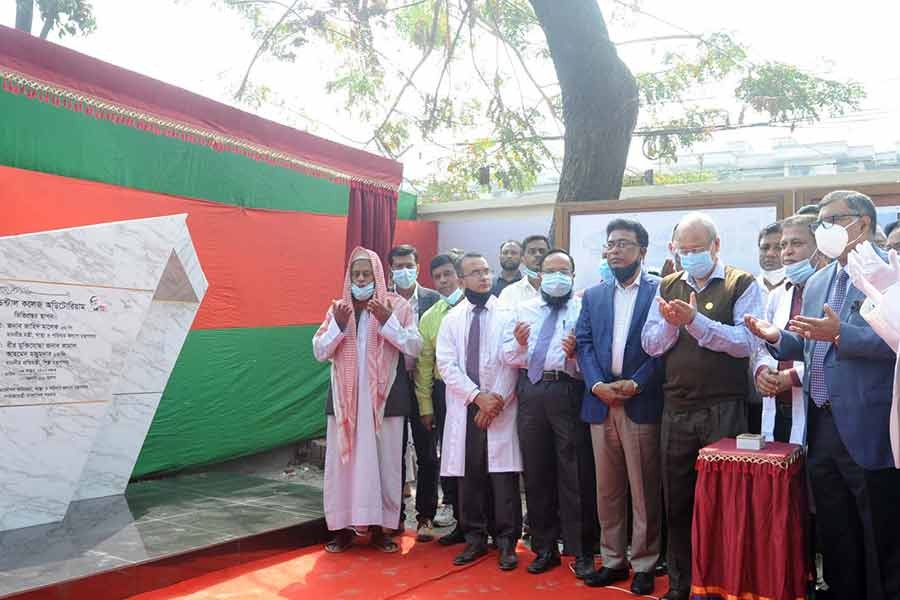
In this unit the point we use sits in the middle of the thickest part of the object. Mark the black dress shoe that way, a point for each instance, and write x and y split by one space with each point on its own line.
508 560
454 537
675 595
605 577
471 553
642 584
543 562
661 569
583 566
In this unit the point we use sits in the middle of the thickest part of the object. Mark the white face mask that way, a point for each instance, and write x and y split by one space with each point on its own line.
774 276
833 240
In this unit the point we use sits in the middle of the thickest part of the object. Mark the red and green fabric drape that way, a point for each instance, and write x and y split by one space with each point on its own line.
84 142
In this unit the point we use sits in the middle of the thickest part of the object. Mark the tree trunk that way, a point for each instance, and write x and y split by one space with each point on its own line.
24 15
599 96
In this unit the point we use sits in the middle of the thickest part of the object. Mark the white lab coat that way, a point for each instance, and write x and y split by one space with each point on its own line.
496 377
778 312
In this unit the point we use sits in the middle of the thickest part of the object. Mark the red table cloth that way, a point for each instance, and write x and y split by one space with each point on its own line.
749 530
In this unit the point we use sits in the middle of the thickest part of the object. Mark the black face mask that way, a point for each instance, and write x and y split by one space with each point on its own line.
477 298
623 274
556 300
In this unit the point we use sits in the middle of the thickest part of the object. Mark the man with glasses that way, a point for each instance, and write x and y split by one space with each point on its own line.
623 406
539 342
848 381
480 443
696 324
534 247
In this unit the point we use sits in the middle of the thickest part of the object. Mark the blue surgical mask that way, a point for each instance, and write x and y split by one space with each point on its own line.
556 284
606 272
799 272
697 264
530 273
405 278
453 298
362 293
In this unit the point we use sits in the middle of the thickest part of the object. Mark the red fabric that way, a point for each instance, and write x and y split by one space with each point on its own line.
261 273
422 235
749 530
55 64
371 219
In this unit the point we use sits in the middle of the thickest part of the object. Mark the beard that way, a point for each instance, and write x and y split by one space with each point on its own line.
509 265
556 300
623 274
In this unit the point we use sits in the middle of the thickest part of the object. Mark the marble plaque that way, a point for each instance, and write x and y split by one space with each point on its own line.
92 320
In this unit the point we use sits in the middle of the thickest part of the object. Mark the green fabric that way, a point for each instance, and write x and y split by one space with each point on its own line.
41 137
426 366
235 392
406 206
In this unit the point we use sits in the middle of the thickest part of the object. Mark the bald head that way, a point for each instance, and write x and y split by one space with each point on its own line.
694 225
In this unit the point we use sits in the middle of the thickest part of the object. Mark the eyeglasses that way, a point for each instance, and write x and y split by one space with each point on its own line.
477 273
829 222
620 244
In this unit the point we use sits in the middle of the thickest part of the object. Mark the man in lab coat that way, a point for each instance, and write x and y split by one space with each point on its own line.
480 442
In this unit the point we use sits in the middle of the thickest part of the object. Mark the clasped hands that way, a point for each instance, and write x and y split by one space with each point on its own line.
490 405
615 392
341 309
522 332
771 382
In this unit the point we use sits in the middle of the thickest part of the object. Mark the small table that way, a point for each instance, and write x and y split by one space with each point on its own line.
750 518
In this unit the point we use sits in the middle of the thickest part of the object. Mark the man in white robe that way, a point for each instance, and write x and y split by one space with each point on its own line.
363 336
480 442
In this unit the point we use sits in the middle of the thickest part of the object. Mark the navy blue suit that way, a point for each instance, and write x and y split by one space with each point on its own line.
850 463
594 336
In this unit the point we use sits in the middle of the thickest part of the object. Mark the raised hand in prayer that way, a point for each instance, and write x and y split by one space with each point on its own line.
380 310
867 269
521 332
568 345
825 329
678 312
762 329
341 310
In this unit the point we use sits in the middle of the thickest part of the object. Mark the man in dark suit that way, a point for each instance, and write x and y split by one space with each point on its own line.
848 383
403 261
623 403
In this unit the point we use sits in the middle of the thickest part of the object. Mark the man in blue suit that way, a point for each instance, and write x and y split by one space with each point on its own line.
623 403
848 383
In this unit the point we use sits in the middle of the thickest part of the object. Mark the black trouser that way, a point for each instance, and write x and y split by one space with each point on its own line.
553 439
476 489
682 434
448 484
425 442
843 512
784 420
884 493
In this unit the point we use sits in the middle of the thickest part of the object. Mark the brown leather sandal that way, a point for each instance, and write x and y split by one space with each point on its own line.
384 543
341 542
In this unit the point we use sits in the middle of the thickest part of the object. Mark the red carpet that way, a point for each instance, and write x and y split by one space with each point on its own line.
419 572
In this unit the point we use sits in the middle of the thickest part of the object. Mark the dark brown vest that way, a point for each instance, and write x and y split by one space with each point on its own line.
697 377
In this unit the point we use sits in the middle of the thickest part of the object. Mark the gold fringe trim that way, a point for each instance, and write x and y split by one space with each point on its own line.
18 83
755 459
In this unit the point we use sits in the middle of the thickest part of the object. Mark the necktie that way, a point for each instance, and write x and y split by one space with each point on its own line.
817 387
539 355
473 345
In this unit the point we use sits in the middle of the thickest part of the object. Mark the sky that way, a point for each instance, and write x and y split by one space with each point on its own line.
191 44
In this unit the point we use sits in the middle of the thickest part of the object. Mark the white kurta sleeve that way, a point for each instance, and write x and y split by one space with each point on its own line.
448 362
405 339
327 339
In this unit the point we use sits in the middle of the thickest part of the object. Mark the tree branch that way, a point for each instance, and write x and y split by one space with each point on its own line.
243 87
450 51
435 20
